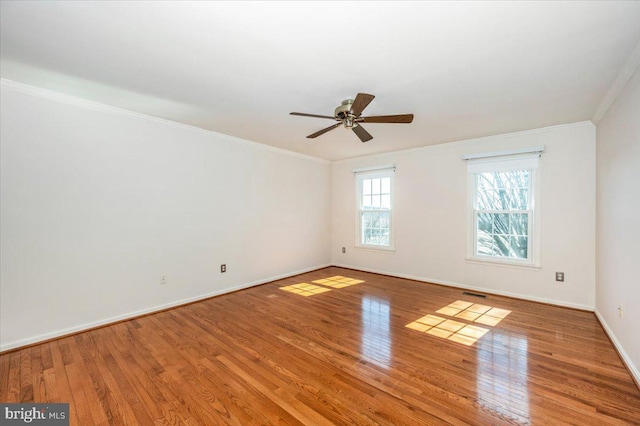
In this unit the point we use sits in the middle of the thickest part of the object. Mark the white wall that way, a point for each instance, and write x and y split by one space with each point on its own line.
98 203
618 222
431 217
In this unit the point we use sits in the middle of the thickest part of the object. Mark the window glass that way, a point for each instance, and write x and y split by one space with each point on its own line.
502 214
375 203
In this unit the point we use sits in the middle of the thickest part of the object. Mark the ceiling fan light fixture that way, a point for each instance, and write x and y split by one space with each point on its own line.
349 123
349 114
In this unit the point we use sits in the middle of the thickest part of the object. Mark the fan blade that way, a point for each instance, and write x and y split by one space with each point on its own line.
360 103
302 114
362 133
323 131
401 118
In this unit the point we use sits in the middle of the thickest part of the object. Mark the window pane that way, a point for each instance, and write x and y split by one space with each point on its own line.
501 246
366 186
520 224
522 199
484 245
385 202
386 185
519 247
515 179
366 236
372 237
375 201
384 237
502 202
366 202
485 223
518 199
486 199
376 228
494 200
501 223
501 180
366 220
485 181
371 220
375 186
384 221
503 190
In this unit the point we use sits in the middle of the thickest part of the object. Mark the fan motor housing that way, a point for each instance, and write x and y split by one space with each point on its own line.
343 110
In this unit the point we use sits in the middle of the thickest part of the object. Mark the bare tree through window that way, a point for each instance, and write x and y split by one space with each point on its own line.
503 214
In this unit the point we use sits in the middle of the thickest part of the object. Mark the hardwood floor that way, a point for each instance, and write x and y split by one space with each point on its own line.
344 356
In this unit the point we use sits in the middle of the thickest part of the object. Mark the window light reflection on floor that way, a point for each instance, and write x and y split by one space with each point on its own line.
338 281
305 289
376 335
456 331
482 314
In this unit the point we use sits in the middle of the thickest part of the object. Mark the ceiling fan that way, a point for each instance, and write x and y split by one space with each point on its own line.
349 115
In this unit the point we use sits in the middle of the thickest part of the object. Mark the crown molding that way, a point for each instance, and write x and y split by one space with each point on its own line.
54 96
612 94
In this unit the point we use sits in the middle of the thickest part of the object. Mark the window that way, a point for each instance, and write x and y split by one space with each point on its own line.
374 222
503 210
502 214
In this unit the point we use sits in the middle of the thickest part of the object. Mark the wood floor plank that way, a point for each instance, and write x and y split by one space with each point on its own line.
345 356
5 370
59 379
12 391
78 374
26 377
39 392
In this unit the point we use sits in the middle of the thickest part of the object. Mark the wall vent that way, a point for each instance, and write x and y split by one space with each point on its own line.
466 293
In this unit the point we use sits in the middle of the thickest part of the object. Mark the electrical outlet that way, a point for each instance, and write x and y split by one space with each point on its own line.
223 268
620 311
344 249
560 276
163 280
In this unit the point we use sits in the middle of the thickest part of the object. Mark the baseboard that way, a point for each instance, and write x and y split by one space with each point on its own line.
623 355
131 315
107 321
474 288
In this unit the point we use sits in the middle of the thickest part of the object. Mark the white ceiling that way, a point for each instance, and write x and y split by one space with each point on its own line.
464 69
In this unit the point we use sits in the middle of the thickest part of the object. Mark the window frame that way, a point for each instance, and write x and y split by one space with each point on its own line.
533 237
361 175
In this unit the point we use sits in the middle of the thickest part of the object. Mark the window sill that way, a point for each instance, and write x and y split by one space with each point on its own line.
504 264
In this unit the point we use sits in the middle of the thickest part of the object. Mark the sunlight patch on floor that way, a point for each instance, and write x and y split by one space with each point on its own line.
305 289
475 312
338 281
455 331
